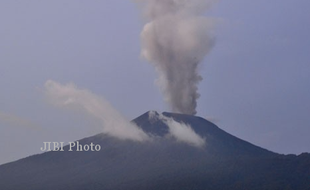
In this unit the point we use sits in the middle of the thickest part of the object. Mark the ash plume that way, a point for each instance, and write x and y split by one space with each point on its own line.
175 40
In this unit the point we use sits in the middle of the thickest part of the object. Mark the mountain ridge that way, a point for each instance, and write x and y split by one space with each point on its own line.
226 162
207 128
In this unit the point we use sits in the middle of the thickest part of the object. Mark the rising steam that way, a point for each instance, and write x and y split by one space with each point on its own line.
175 40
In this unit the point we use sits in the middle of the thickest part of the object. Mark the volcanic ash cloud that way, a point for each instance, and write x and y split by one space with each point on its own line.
175 40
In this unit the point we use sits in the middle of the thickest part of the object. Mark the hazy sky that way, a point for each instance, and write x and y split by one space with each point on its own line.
256 82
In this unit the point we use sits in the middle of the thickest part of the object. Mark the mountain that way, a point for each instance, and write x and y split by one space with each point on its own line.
225 162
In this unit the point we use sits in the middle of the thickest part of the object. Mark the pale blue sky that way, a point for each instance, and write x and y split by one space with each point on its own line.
256 79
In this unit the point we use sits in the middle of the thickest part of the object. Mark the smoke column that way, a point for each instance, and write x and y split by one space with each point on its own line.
175 40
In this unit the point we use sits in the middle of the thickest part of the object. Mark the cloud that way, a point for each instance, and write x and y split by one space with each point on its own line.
183 132
113 123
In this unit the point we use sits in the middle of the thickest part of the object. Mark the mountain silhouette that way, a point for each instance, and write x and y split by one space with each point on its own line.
224 162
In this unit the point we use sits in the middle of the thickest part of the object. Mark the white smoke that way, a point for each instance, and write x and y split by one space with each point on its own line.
182 132
114 124
175 40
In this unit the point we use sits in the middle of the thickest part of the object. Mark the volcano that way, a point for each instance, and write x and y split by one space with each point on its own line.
224 162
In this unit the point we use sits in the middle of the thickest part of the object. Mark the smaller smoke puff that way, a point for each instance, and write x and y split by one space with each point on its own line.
114 124
175 40
180 131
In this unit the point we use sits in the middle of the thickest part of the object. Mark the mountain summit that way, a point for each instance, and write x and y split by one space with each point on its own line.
217 140
223 162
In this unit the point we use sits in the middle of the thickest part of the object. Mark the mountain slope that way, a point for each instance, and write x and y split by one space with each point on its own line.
226 162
